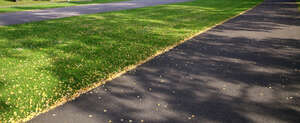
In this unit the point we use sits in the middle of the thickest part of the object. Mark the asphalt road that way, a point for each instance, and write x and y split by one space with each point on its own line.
246 70
39 15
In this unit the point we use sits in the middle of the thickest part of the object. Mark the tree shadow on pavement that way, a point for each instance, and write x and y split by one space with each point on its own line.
227 74
212 78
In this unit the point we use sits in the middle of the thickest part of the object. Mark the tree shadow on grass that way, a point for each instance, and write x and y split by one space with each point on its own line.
214 77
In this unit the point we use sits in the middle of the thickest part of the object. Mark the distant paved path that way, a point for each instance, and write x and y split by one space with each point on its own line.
246 70
38 15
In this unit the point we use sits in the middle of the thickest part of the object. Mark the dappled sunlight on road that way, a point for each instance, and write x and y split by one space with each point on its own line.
218 76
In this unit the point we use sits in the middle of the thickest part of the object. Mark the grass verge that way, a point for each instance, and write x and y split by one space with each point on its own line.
44 62
8 6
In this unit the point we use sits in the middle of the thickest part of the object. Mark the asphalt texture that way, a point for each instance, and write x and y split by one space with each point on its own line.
245 70
47 14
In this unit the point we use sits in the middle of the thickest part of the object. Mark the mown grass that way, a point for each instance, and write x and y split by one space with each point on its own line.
43 62
24 2
9 6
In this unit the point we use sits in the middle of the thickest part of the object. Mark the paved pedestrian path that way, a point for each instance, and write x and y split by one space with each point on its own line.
246 70
39 15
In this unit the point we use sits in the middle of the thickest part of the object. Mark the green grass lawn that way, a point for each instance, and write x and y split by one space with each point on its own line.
9 6
42 62
24 2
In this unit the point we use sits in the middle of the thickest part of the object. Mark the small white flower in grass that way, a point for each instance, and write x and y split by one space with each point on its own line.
90 116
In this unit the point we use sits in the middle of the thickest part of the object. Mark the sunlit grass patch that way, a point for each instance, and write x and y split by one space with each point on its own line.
9 6
42 62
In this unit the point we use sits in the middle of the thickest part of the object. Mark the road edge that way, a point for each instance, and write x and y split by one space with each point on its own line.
65 100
